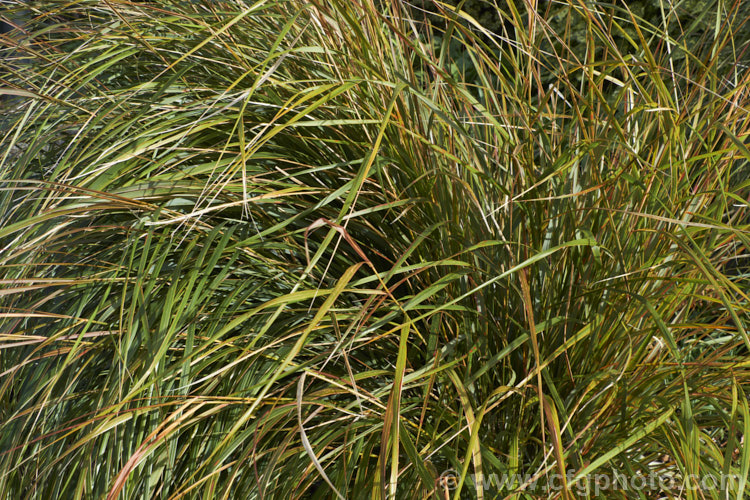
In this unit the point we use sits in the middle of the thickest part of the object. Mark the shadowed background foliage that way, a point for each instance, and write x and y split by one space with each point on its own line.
285 249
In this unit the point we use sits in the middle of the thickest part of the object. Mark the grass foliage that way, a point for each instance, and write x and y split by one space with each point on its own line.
284 249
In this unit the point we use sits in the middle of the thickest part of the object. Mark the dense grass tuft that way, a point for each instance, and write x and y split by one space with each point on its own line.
287 249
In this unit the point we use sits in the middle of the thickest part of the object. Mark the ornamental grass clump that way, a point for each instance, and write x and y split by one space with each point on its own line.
336 249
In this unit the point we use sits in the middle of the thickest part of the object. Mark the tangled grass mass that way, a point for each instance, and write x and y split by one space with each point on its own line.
280 249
